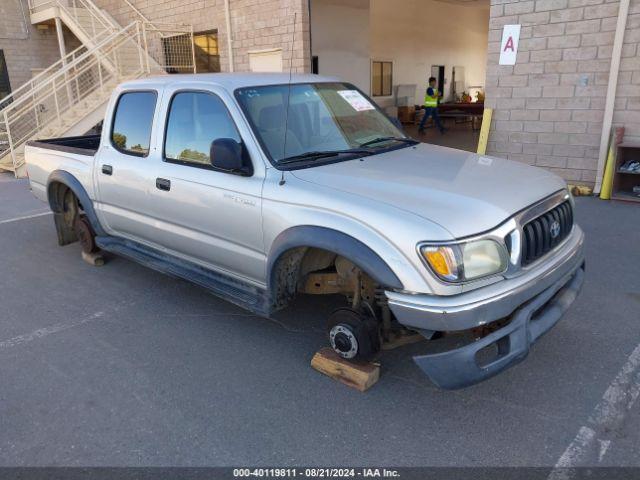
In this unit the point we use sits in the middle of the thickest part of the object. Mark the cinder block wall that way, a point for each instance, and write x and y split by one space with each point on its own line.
25 48
255 25
549 107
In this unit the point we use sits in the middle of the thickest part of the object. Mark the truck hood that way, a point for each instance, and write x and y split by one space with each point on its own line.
463 192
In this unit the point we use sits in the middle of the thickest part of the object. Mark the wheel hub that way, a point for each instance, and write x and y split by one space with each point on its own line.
343 341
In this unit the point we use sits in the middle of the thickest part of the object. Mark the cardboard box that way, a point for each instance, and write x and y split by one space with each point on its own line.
407 114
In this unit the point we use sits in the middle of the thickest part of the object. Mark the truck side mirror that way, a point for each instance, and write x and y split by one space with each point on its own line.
226 154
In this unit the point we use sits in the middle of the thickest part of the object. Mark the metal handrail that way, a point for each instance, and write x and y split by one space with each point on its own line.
139 13
62 90
70 57
14 114
68 66
36 6
97 12
147 21
93 52
82 79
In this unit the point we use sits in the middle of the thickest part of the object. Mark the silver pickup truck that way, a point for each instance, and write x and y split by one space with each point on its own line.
261 187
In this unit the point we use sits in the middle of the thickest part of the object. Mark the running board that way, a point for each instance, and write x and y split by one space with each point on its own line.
244 295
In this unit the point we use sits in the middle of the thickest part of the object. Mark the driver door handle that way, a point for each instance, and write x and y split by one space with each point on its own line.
163 184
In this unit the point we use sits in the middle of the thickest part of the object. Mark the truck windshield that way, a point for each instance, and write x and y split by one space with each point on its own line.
306 122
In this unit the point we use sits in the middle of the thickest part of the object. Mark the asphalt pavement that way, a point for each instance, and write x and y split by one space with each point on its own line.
122 366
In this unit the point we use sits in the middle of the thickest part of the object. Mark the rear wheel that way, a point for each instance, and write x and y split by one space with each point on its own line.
353 335
85 234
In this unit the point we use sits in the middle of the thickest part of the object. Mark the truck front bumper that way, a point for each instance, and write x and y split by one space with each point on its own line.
533 302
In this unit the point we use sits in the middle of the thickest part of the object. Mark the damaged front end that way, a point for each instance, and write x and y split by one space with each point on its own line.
505 346
503 319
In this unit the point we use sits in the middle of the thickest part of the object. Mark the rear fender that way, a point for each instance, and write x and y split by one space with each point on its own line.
57 178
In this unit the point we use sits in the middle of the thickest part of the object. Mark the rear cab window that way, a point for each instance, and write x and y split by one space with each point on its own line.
133 122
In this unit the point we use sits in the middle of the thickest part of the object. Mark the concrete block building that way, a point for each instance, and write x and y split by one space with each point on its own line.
577 69
550 105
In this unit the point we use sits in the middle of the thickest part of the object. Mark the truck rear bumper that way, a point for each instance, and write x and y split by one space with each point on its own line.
461 367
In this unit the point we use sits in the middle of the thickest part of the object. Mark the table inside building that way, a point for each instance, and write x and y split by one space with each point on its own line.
465 111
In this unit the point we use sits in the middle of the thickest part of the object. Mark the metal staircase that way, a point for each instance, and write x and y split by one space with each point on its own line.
87 22
70 96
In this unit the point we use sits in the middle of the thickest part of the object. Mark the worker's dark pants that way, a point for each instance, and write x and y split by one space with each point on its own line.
431 112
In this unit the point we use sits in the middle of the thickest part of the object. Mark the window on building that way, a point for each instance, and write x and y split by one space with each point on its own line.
206 51
5 85
315 65
178 55
132 122
381 78
195 120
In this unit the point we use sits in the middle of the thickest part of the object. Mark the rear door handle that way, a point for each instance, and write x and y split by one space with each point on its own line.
163 184
107 169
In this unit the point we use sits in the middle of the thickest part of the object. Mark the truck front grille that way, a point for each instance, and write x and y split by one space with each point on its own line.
544 233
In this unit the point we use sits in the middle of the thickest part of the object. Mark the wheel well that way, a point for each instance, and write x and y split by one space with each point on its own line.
62 182
318 271
56 193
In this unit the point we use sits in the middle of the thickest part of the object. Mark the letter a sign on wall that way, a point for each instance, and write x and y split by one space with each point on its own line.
509 45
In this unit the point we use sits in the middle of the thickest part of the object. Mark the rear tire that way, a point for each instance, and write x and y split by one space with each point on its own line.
353 335
85 234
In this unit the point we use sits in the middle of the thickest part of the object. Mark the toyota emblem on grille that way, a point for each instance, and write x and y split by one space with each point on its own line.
554 229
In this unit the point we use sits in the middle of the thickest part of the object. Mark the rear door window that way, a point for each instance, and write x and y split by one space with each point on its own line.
132 123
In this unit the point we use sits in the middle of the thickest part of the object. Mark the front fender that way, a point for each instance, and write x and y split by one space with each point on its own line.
334 241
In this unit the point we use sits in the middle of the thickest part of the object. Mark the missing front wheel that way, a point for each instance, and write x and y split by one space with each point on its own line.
353 335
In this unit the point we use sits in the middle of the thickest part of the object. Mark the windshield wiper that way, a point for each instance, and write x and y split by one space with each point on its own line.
322 154
387 139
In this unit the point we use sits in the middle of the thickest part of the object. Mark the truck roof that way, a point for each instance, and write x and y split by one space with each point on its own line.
229 81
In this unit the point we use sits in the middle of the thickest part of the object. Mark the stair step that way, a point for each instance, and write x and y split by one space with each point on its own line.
7 165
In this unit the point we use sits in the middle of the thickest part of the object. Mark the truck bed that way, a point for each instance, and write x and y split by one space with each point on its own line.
82 145
73 155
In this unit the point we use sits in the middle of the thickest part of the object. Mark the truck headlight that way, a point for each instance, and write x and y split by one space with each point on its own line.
466 261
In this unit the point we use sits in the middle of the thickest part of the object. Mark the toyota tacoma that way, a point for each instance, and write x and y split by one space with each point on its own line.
261 187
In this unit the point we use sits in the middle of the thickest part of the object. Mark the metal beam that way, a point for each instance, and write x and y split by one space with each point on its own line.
621 26
60 33
227 12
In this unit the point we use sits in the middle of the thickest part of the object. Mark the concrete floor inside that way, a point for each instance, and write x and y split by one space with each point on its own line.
458 135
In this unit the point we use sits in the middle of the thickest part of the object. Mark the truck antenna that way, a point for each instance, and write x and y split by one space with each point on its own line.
286 114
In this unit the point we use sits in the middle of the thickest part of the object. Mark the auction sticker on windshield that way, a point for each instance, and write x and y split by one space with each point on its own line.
356 100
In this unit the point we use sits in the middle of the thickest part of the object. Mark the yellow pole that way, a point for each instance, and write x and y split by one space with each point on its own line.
484 131
606 186
607 177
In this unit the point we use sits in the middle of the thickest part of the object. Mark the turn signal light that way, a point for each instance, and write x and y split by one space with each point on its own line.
442 260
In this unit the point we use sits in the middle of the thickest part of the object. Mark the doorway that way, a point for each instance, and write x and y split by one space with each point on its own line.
437 71
5 85
377 46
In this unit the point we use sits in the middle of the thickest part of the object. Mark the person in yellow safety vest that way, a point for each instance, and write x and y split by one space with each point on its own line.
431 98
